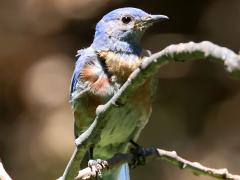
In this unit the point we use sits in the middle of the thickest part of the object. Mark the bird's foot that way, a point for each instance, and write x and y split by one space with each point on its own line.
118 104
96 166
139 155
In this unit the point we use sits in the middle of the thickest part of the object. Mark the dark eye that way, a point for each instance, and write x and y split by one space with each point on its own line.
126 19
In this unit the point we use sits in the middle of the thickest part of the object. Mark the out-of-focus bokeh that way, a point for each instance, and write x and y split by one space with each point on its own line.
196 110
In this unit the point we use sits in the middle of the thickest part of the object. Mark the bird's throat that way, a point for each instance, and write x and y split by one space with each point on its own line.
108 43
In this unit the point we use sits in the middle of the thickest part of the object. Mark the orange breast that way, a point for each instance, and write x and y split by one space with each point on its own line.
120 65
88 73
100 84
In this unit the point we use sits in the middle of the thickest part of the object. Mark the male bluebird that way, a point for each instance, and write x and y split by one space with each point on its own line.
100 71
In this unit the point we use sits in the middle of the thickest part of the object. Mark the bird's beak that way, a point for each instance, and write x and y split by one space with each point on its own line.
156 18
149 20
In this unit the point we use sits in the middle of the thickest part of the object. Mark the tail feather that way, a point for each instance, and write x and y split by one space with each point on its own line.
121 173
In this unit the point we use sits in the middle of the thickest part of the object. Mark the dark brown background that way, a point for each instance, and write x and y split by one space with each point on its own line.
195 113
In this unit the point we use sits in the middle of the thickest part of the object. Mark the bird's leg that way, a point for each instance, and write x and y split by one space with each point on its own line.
96 165
90 152
139 155
118 104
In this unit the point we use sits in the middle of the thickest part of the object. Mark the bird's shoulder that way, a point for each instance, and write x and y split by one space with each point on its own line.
84 56
90 76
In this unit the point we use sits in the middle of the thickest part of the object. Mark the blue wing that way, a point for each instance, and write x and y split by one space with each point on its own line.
74 80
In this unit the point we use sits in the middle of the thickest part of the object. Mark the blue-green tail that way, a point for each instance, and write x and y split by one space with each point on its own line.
121 173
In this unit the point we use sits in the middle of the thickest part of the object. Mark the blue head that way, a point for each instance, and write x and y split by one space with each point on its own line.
122 29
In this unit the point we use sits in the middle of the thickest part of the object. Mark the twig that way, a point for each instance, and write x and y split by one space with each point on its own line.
169 156
195 167
181 52
3 173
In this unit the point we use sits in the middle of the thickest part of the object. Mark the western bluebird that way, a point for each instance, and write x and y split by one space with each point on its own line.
100 71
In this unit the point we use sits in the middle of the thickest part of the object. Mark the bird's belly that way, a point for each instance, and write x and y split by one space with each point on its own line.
125 124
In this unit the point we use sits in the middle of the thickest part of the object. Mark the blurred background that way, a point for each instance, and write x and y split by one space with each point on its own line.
196 110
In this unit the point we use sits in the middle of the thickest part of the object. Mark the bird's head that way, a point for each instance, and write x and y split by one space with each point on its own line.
125 25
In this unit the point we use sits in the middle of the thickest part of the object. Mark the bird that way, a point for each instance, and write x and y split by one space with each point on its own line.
100 71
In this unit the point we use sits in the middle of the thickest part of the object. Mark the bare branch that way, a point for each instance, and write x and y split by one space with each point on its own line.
181 52
3 173
168 156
